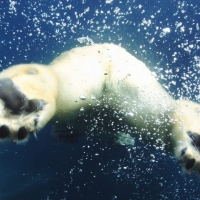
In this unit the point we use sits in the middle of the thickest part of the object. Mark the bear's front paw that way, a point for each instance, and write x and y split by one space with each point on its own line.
188 153
19 116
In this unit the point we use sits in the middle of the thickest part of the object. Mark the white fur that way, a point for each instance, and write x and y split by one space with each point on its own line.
83 83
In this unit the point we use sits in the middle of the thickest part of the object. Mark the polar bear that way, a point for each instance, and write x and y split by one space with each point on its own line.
97 86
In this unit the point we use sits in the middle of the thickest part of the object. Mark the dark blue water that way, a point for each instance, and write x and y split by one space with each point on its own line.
37 31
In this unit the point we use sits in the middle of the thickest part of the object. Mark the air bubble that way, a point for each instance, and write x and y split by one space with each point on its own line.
164 32
93 97
152 40
109 1
130 114
83 97
82 109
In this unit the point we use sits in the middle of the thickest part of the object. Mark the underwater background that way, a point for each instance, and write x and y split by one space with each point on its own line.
165 34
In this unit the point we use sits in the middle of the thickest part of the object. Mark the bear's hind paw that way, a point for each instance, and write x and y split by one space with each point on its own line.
189 153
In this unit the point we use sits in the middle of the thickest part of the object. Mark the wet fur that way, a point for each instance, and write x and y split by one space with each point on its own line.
94 83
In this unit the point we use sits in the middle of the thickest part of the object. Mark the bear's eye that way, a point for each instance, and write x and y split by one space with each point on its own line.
195 139
32 71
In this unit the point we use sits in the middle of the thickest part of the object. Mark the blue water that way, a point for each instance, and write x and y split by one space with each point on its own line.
37 31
